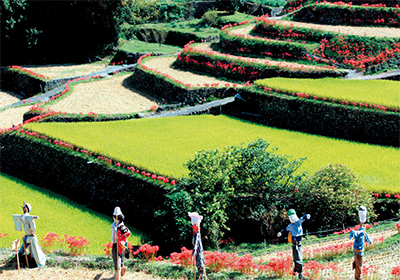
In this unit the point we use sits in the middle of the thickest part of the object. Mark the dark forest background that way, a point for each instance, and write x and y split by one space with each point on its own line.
42 32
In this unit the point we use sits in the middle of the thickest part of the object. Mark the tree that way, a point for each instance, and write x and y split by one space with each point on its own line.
333 194
160 35
232 184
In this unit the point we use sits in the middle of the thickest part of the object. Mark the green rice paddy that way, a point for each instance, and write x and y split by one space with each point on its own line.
163 145
56 214
380 92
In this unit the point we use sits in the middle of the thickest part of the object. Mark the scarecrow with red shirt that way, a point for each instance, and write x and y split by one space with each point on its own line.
119 236
197 245
360 237
295 230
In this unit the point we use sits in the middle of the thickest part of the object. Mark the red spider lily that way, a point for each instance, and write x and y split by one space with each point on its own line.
396 271
147 252
313 269
3 235
183 258
77 245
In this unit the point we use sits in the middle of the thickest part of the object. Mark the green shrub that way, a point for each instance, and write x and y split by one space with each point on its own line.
332 195
232 184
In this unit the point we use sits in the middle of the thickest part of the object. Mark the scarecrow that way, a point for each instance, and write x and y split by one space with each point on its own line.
360 237
30 240
119 235
295 230
197 245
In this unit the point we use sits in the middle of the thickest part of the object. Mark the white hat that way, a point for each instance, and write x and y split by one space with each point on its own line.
117 211
28 206
196 218
362 213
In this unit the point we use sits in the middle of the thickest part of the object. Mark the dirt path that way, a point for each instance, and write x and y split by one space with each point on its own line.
350 30
50 273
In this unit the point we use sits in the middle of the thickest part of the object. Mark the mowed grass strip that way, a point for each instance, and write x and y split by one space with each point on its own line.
163 145
381 92
56 214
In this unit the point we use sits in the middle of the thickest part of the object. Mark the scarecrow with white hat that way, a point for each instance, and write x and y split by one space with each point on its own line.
295 230
119 235
360 237
30 240
197 245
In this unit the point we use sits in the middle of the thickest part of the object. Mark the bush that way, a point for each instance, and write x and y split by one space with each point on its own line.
332 195
236 184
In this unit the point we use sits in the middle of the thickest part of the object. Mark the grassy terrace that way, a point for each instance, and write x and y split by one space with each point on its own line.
57 214
158 146
382 92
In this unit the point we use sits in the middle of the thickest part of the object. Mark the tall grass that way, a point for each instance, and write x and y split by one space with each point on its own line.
381 92
56 214
163 145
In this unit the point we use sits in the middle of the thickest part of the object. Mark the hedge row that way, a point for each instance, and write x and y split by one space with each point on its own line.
86 180
233 43
21 83
349 15
244 70
26 84
317 117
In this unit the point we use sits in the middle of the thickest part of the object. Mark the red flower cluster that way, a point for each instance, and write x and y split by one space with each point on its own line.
387 195
148 252
397 226
117 63
77 245
3 235
28 72
49 242
183 258
347 230
396 271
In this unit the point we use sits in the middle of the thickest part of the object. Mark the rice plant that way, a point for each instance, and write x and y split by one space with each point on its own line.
164 145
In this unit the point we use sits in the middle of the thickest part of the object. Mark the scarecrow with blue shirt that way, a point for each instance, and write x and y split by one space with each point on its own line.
360 237
295 230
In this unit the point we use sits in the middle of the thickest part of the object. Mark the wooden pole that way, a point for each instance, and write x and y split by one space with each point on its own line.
118 261
26 257
16 244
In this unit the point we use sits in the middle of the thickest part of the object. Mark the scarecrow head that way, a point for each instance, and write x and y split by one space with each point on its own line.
117 215
196 220
362 214
27 208
292 216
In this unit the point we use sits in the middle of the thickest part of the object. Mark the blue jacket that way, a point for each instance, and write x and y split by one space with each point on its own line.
360 237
